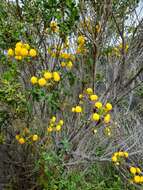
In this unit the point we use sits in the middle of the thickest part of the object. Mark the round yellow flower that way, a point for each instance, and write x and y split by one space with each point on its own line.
53 119
61 122
58 127
56 76
34 80
98 105
18 50
42 82
95 116
121 153
17 137
133 170
35 137
49 129
93 97
47 75
108 107
114 159
69 65
63 64
141 179
126 154
80 96
107 118
73 109
89 91
24 52
21 140
19 44
116 154
10 52
32 52
78 109
27 46
138 170
137 179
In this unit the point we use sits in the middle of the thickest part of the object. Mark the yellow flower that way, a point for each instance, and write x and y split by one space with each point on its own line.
141 179
80 96
69 65
58 127
121 153
63 64
138 170
98 105
47 75
53 119
56 76
81 40
107 118
95 116
34 80
114 159
18 58
61 122
126 154
89 91
18 50
17 137
133 170
42 82
27 46
73 109
93 97
137 179
49 129
78 109
65 55
21 140
35 137
32 52
116 154
10 52
108 107
19 44
24 52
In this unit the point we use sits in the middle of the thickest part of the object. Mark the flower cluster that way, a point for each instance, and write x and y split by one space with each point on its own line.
21 51
137 174
117 157
47 77
55 125
81 44
25 136
67 64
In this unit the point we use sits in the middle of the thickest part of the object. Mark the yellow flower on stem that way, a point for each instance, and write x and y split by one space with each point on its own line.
108 107
114 159
107 118
42 82
133 170
47 75
58 127
89 91
24 52
98 105
21 140
95 116
78 109
93 97
10 52
35 137
32 53
34 80
56 76
137 179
